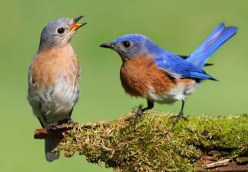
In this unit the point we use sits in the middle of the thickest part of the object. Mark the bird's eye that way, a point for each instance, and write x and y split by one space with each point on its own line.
61 30
126 44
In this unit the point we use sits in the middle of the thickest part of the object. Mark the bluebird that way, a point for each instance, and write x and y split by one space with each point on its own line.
53 78
151 72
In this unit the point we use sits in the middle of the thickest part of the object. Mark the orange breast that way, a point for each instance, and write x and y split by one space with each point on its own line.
139 75
49 66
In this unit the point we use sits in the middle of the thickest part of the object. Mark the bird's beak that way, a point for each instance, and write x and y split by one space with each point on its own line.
76 25
107 45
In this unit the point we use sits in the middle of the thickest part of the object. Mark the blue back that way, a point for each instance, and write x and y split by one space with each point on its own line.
171 63
192 66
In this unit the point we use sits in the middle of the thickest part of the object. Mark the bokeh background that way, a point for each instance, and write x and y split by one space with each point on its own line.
178 26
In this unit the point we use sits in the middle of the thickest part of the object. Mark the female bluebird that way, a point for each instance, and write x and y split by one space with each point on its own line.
53 78
153 73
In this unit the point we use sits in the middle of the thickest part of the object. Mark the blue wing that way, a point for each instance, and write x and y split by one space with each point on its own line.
178 67
192 66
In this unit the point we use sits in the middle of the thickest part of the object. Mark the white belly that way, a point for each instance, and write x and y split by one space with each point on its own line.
179 92
55 103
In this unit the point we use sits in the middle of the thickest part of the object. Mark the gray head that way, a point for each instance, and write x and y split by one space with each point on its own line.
132 45
59 32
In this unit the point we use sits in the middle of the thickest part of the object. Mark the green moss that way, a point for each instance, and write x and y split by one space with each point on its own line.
156 145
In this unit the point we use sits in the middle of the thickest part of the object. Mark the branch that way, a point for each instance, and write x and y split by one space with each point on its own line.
200 144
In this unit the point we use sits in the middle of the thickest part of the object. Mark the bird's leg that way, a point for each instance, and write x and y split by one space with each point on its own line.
41 123
180 115
141 110
68 119
45 124
69 116
60 122
65 121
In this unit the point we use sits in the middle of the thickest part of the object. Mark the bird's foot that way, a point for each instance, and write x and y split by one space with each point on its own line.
60 122
66 121
52 125
137 115
179 116
71 122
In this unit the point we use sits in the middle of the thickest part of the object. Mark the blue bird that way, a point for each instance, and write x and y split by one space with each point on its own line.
151 72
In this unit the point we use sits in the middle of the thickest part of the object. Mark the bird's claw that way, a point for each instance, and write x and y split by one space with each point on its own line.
70 121
52 125
60 122
137 115
179 116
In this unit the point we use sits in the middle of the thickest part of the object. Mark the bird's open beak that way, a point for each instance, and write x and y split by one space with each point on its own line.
107 45
76 25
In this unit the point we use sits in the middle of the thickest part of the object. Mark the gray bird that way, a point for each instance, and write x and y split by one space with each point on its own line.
53 78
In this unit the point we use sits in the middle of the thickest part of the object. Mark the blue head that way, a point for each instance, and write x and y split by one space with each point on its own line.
132 46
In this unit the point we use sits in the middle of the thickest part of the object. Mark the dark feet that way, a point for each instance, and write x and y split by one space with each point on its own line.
60 122
66 121
137 115
141 110
52 125
179 116
70 121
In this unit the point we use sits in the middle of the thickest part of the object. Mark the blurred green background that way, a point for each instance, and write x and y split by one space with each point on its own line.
178 26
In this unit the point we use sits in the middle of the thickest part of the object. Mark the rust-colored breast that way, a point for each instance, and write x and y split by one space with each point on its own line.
140 75
55 64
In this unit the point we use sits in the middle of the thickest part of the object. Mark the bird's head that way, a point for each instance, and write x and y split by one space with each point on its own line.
131 46
59 32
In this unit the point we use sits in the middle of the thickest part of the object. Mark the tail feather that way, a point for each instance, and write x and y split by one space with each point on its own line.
215 40
49 147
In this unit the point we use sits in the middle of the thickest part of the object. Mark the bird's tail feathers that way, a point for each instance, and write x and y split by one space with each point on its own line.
50 145
215 40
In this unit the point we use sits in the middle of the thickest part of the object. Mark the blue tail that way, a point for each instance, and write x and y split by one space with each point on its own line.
217 38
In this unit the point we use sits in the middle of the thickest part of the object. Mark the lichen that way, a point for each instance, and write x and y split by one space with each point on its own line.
157 145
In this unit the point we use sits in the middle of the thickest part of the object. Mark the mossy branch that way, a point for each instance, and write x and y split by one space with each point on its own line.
202 143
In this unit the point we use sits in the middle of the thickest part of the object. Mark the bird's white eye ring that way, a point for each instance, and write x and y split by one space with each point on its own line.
61 30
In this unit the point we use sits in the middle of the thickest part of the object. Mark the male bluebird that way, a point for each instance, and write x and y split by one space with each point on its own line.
151 72
53 78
